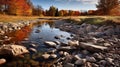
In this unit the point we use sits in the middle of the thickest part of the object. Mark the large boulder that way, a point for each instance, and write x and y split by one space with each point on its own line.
13 50
91 47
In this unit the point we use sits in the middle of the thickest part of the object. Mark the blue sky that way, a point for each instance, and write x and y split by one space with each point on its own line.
67 4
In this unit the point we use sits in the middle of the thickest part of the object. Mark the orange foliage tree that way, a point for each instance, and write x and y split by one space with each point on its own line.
17 7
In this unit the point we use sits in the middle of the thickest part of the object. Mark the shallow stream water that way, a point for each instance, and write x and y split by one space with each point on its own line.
36 34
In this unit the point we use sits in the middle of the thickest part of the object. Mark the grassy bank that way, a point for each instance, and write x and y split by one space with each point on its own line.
89 19
5 18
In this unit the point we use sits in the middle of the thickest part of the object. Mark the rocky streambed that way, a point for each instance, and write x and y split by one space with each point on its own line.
59 44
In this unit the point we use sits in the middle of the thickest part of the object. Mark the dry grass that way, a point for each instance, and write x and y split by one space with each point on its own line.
6 18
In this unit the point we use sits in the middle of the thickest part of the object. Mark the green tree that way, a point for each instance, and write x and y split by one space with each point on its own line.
52 11
57 12
105 6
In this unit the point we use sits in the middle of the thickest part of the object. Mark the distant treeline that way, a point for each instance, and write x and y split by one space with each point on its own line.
26 8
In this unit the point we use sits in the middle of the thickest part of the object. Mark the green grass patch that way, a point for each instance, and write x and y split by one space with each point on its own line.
93 20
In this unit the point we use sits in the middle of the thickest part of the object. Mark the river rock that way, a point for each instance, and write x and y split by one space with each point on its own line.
50 43
107 44
85 52
33 45
46 56
102 62
90 59
2 61
109 31
73 43
91 47
61 53
80 62
109 60
13 50
88 64
66 48
51 50
53 56
57 42
97 56
32 50
77 57
66 53
68 65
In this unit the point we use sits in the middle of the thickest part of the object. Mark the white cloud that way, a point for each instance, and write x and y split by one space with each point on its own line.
82 1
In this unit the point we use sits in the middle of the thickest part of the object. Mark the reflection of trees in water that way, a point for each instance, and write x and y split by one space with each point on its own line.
19 35
50 23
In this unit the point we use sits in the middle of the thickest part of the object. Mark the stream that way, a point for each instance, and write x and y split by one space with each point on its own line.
36 34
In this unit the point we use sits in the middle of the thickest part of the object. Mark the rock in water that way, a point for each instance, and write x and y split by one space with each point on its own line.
73 43
91 47
33 50
53 56
49 43
2 61
46 56
13 50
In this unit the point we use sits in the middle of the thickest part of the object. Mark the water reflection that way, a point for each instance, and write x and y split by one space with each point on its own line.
46 31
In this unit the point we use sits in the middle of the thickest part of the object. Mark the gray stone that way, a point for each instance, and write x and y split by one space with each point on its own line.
97 56
61 53
80 62
107 44
51 50
32 50
91 47
50 43
77 57
109 60
57 42
33 45
13 50
95 65
68 65
90 59
65 48
85 52
102 62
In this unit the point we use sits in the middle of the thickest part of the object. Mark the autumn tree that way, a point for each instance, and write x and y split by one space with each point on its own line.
16 7
105 6
38 10
4 4
71 13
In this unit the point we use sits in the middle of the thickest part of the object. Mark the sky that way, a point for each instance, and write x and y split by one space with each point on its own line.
67 4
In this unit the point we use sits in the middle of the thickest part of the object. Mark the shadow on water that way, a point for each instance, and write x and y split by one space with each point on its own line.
36 33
